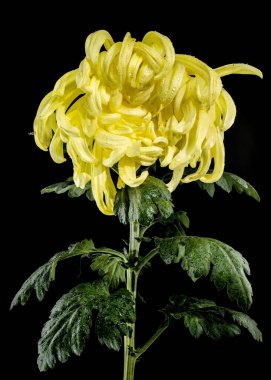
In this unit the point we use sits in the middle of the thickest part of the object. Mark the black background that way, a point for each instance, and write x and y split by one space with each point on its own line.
43 43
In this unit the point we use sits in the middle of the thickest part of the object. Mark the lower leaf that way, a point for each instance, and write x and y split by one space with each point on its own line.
70 322
204 316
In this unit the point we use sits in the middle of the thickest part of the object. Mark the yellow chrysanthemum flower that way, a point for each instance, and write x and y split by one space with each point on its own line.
132 103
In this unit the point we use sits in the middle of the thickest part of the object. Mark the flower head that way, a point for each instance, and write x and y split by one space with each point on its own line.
133 103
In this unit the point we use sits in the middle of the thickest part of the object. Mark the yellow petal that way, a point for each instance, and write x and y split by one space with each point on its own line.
64 123
94 101
125 54
176 178
127 172
238 68
218 154
171 83
79 145
43 131
149 154
110 141
110 70
152 56
170 151
209 84
194 140
83 76
94 43
102 186
205 162
165 48
81 174
56 148
114 157
228 109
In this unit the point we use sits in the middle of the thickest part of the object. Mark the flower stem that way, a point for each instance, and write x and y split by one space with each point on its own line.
131 285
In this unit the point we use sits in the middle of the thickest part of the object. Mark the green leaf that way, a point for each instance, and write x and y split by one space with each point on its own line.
69 186
60 187
121 206
171 249
69 325
204 316
70 322
201 256
112 319
227 182
110 267
227 266
141 204
178 218
209 187
40 280
248 323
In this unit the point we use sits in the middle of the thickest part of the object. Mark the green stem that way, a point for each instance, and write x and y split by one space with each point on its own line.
131 285
146 259
153 338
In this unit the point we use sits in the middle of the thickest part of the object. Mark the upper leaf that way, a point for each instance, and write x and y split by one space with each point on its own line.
69 186
110 267
204 316
71 319
39 281
142 203
227 182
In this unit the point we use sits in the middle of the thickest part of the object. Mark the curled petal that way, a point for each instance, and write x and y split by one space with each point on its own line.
238 68
165 48
110 141
218 154
102 186
127 172
227 109
94 43
43 131
208 81
125 54
79 145
205 161
83 76
64 123
194 140
176 178
171 83
114 157
56 148
170 151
